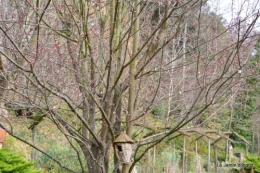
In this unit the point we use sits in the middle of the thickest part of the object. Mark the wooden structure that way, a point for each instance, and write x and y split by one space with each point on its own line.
124 147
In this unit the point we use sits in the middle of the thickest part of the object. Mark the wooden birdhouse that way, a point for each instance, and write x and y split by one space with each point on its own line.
2 137
124 144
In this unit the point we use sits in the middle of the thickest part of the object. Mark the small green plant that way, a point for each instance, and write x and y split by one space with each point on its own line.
11 162
252 162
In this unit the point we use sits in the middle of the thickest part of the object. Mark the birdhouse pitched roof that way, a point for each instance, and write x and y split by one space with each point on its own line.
123 138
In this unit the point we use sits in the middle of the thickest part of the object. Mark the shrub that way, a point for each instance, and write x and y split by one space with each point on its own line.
252 161
11 162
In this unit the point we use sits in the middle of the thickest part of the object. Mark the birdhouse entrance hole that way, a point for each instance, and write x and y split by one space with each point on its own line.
119 148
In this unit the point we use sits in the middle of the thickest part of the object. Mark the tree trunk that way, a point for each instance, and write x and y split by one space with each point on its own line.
95 158
34 140
208 156
216 157
227 159
258 143
117 127
183 156
132 72
3 87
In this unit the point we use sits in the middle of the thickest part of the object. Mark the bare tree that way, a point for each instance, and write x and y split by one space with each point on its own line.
109 63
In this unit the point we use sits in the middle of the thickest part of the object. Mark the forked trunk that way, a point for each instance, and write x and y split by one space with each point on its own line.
96 159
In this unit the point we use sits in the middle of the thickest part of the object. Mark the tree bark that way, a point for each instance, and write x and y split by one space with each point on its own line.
3 87
184 156
132 72
216 157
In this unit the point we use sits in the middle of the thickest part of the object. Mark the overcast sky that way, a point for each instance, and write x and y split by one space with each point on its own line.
231 9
